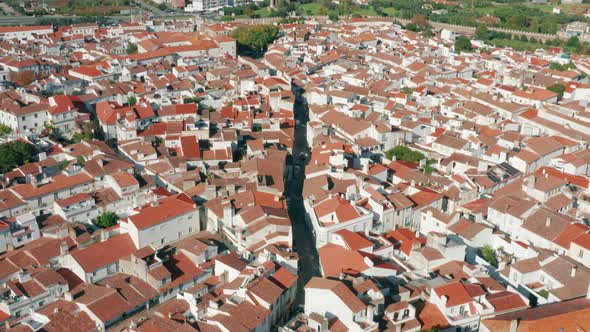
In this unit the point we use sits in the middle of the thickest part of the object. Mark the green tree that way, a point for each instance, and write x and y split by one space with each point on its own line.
131 48
573 44
428 32
132 100
333 16
462 44
80 136
255 39
557 66
4 130
557 88
482 32
489 255
107 219
543 293
403 153
517 22
80 160
16 153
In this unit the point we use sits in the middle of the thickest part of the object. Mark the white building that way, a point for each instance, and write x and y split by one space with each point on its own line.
333 299
205 5
163 222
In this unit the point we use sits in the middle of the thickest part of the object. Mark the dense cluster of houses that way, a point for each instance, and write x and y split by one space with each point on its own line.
441 190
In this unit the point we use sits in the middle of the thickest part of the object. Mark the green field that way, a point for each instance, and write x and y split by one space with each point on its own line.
264 12
311 8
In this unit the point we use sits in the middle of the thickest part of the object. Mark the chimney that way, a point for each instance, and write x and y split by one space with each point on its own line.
531 181
513 325
63 248
324 324
548 221
228 215
573 272
104 235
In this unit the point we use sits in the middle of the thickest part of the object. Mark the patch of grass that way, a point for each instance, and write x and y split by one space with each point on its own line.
518 45
311 8
541 7
264 12
367 11
389 11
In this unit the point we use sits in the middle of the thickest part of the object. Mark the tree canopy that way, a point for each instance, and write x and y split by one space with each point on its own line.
557 88
403 153
482 32
131 48
489 255
4 130
462 44
107 219
255 40
14 154
573 44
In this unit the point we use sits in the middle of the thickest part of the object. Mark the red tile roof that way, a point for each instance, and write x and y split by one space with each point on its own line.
73 199
455 292
166 209
354 241
104 253
284 278
334 259
506 301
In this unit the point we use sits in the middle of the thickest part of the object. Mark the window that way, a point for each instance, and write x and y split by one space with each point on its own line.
23 118
461 310
581 253
36 115
162 241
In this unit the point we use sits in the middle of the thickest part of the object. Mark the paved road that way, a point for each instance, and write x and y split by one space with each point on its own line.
31 20
303 238
149 7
